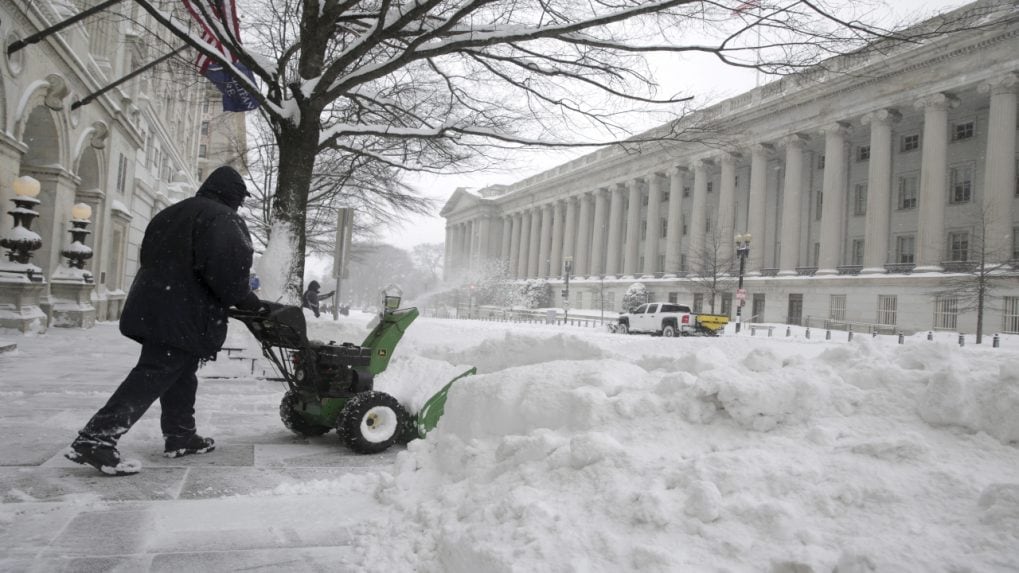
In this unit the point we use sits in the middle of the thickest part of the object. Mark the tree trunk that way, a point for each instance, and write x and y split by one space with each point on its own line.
297 149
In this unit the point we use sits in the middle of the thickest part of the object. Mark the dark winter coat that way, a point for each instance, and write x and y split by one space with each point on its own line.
312 297
195 263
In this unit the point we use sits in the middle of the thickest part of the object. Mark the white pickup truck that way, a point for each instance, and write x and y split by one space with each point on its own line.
669 319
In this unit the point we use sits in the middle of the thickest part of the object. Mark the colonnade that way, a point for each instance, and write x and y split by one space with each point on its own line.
601 228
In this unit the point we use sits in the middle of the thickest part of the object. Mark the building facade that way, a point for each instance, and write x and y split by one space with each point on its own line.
127 154
870 186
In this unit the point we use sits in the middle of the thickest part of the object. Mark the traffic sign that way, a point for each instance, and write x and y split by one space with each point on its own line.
741 294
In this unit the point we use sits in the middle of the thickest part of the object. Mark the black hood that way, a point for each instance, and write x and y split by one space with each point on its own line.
313 285
225 185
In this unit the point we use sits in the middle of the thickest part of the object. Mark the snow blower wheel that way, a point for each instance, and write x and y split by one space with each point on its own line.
292 419
372 421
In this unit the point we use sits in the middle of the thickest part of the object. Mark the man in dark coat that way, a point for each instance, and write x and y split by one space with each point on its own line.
195 263
312 297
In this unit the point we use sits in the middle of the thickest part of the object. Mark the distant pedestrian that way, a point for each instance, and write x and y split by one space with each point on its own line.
254 282
195 263
312 297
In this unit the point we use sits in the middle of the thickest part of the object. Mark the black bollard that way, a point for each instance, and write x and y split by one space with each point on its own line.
902 338
850 335
996 342
930 335
807 333
962 339
788 331
827 335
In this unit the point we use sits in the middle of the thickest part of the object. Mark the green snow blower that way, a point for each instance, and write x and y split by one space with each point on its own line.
331 385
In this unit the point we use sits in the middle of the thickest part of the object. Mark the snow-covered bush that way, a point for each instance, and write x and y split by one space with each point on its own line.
635 296
535 293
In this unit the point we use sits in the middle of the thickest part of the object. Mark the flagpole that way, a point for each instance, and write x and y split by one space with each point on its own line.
88 99
15 46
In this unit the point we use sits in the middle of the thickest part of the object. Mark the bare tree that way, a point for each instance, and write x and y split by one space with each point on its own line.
429 84
980 266
713 267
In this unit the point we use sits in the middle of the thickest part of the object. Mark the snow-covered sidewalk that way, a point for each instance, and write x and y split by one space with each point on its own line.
572 450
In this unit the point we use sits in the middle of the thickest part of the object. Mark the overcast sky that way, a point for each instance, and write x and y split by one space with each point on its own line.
699 75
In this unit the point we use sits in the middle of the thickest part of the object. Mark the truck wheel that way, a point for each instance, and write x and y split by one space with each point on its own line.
669 331
372 421
290 413
623 328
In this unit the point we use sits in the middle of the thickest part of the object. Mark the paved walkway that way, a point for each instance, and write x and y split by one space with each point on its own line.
59 516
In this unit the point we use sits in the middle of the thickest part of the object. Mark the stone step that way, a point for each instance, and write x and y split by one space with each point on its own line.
7 346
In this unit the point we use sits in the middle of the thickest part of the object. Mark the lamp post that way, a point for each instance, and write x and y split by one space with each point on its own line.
567 269
21 240
742 251
78 252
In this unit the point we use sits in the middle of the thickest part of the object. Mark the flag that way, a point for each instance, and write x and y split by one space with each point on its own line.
235 96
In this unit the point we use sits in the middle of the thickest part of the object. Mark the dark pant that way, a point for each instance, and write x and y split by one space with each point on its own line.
162 372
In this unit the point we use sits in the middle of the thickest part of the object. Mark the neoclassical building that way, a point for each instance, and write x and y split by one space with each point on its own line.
127 154
870 186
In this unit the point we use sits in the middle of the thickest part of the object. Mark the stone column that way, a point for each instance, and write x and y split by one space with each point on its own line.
506 242
755 208
631 260
525 244
614 245
999 181
930 239
582 265
534 244
792 195
545 241
570 232
695 253
654 223
833 206
600 224
484 227
674 231
879 190
513 269
555 259
447 261
726 206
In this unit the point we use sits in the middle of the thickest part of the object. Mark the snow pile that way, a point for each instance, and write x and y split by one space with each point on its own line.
738 454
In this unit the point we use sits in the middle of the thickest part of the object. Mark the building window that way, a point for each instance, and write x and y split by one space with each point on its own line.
726 308
205 106
686 191
905 246
909 142
205 128
960 183
820 161
640 265
958 246
643 230
757 308
863 153
1010 315
735 182
837 307
610 300
711 186
707 225
202 150
860 199
1015 243
643 199
698 302
946 312
121 172
673 297
962 130
817 253
818 202
886 309
908 187
682 262
664 227
856 257
114 279
661 264
683 221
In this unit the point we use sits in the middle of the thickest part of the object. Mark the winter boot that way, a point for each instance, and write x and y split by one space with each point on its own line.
102 457
177 446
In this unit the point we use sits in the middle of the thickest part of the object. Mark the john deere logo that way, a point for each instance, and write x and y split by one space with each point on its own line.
382 351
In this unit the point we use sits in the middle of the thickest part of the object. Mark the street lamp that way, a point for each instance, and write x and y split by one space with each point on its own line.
567 269
21 239
742 251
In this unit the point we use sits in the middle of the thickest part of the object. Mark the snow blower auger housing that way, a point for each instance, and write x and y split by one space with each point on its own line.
331 386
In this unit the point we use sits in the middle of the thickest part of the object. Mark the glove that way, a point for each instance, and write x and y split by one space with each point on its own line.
251 303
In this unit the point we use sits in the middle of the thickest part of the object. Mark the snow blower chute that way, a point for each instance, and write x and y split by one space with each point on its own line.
332 385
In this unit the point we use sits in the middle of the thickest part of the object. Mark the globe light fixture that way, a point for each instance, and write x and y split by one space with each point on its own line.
77 252
21 240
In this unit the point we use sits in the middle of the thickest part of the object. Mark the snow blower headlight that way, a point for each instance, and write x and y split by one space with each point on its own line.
391 303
